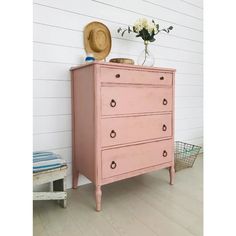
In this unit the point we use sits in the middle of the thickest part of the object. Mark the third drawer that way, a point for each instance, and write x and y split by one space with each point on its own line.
121 130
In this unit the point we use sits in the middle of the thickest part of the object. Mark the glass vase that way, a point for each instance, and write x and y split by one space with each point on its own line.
146 58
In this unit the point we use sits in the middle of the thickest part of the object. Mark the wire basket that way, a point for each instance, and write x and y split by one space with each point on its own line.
185 155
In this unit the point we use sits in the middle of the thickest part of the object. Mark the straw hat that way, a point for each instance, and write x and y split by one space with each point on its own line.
97 40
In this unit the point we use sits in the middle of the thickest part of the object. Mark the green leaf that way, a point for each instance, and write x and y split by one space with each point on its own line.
129 30
123 32
118 31
152 39
144 34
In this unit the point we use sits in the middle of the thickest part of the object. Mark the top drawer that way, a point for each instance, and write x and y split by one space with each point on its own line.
129 76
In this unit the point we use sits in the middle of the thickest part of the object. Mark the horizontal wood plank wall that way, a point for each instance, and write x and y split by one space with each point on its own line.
58 45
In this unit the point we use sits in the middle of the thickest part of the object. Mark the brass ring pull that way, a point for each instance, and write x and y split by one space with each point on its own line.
164 102
113 134
164 127
113 165
164 154
113 103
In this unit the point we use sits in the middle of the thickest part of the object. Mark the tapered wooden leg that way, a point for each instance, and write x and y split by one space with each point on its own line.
172 174
75 179
98 197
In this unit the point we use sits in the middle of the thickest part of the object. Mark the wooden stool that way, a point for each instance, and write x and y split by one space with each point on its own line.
57 176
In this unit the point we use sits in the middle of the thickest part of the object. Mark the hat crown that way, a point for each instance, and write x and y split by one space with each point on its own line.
98 40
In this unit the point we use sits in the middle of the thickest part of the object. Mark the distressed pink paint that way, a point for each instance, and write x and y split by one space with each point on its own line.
135 99
121 130
123 122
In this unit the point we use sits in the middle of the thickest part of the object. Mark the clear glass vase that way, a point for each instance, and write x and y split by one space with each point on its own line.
146 58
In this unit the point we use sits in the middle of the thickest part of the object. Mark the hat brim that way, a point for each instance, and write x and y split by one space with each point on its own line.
88 28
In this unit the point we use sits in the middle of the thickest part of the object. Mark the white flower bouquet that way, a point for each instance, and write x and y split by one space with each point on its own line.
145 29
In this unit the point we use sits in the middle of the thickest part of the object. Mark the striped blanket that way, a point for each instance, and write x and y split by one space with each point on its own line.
46 161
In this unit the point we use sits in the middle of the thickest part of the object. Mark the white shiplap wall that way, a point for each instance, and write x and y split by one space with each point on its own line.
58 45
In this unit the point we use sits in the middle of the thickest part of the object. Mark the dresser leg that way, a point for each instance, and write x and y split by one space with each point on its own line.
98 196
75 179
172 174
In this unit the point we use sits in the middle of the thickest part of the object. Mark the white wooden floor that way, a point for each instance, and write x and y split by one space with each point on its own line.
144 205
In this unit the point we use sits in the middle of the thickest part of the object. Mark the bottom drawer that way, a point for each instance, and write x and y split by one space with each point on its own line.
126 159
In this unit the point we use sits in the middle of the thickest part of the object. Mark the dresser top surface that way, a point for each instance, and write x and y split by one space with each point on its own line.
120 65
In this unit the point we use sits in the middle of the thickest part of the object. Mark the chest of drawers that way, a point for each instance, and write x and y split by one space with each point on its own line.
122 122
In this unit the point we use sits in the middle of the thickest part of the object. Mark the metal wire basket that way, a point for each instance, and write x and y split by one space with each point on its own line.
185 155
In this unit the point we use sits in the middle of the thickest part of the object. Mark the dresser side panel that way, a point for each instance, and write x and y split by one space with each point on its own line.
173 116
97 123
84 127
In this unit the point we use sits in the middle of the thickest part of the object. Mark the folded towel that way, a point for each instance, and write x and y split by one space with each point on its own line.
46 157
38 154
49 167
46 160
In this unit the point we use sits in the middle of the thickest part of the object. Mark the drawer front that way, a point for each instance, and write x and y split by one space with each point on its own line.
122 130
126 76
130 100
126 159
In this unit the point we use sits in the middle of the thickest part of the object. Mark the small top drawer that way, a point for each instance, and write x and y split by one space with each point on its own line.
129 76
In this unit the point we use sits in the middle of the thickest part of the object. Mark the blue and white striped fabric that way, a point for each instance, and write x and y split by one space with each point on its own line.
46 161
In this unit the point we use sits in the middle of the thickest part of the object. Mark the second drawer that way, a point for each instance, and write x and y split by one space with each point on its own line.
134 100
122 130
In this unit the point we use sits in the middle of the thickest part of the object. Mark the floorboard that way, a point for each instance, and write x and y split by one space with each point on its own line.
143 205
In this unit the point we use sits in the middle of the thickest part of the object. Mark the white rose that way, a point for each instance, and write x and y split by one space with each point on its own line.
150 27
155 30
144 23
138 25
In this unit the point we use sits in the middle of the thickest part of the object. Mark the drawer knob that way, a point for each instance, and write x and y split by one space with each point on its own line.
113 134
117 75
162 78
164 127
164 102
113 103
113 165
164 154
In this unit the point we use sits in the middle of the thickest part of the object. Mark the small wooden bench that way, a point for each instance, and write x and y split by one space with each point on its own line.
57 177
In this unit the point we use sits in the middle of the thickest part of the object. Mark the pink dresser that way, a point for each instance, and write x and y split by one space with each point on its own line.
123 122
